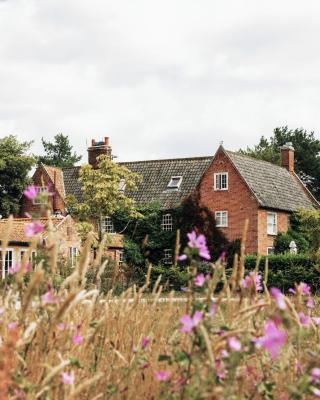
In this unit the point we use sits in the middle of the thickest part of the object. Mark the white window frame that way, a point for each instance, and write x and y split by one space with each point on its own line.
122 258
167 222
274 230
171 185
167 257
73 254
223 217
270 250
217 181
40 201
122 185
5 268
107 225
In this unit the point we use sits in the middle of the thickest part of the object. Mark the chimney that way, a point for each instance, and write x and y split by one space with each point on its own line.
287 157
98 148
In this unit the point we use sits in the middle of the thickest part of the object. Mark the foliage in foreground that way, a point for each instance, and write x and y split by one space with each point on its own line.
74 343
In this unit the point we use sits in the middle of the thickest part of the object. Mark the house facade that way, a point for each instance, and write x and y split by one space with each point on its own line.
233 186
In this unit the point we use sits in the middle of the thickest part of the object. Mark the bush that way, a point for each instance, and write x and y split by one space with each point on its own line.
283 240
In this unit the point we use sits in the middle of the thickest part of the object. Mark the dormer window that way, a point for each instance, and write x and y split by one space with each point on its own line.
175 182
221 181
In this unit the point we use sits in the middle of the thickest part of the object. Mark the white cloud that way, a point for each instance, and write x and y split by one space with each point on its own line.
161 78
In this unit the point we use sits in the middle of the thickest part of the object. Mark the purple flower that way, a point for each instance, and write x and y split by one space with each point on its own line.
316 320
292 291
33 228
200 243
31 192
12 325
213 309
304 289
304 319
14 269
252 281
278 297
273 339
199 280
68 379
188 323
144 342
315 374
234 344
61 326
316 392
310 302
48 297
162 376
183 257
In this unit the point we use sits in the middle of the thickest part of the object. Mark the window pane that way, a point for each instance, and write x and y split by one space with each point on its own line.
167 223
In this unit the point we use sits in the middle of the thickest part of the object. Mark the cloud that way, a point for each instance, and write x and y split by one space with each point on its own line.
162 79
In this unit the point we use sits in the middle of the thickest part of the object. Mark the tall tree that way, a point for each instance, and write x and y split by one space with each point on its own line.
15 165
59 153
307 154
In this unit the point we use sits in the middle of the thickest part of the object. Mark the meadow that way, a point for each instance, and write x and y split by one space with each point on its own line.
72 342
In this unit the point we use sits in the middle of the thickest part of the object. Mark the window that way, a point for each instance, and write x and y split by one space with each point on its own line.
40 199
122 259
270 250
167 223
272 223
175 182
221 181
167 259
122 185
221 218
107 225
6 262
73 254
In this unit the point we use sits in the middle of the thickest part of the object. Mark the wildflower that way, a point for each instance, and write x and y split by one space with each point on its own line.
252 281
273 339
316 392
162 376
200 243
31 192
213 309
48 297
310 302
77 338
234 344
68 379
33 228
14 269
19 394
316 320
292 291
144 342
304 319
183 257
12 325
199 280
315 374
278 297
190 322
61 326
304 289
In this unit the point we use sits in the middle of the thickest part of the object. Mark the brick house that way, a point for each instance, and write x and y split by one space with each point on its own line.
233 186
64 229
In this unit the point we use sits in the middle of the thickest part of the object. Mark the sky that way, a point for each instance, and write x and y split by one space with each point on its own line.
162 79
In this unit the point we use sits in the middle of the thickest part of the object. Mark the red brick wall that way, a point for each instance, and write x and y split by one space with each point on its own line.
266 240
237 200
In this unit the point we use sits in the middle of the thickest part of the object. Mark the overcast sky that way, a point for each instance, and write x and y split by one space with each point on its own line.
165 78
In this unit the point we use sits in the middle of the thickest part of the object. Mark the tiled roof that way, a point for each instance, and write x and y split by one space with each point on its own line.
156 175
272 185
17 233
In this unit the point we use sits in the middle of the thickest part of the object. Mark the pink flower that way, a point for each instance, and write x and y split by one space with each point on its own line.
315 374
162 376
12 325
310 302
234 344
304 289
278 297
48 297
33 228
304 319
183 257
273 339
316 320
144 342
316 392
31 192
252 280
77 339
189 323
61 326
213 309
68 379
14 269
199 280
200 243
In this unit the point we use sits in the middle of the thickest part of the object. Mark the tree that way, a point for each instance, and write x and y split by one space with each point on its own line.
59 153
307 154
15 165
308 222
103 191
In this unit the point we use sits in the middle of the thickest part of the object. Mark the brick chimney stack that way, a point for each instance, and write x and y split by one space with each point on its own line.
287 157
98 148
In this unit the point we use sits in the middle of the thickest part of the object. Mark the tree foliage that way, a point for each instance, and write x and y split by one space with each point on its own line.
309 225
101 191
59 153
15 165
307 153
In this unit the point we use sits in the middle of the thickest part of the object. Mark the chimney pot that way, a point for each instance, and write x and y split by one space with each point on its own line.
287 156
106 141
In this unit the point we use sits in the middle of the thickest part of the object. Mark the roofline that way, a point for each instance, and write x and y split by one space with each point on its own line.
167 159
308 193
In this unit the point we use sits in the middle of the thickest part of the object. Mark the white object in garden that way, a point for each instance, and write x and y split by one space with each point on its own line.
293 247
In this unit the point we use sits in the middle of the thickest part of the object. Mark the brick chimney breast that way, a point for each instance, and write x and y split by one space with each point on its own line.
97 149
287 156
